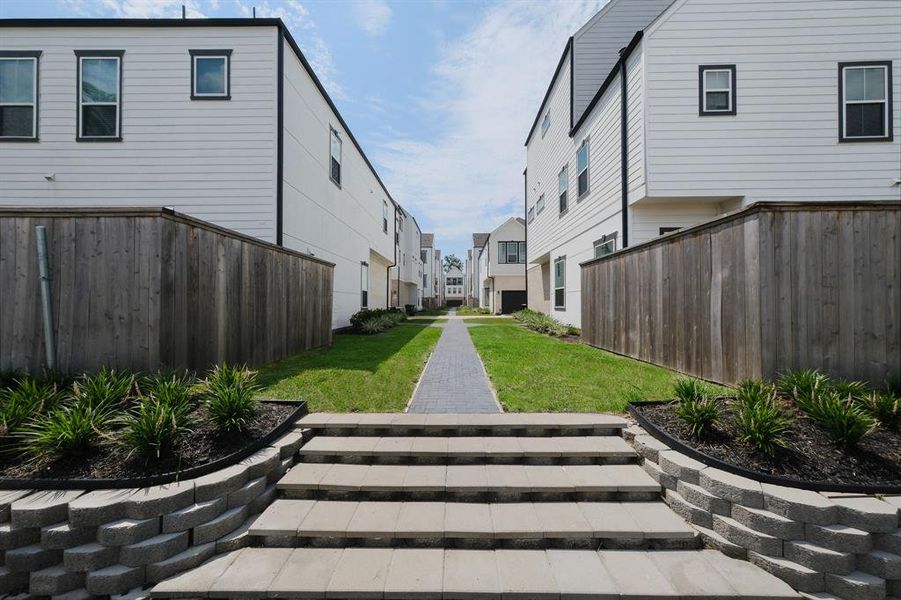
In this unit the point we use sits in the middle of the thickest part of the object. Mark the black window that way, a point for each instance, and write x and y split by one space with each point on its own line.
563 189
582 167
335 157
19 96
99 95
716 90
560 282
364 285
210 74
865 101
665 230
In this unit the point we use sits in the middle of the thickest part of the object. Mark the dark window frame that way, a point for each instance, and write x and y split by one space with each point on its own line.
384 213
120 104
586 143
539 205
560 259
204 53
604 240
334 132
546 122
563 197
36 117
733 91
665 230
889 122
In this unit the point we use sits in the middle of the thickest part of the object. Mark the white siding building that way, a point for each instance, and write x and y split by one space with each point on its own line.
502 268
727 103
406 275
222 119
472 280
432 274
453 287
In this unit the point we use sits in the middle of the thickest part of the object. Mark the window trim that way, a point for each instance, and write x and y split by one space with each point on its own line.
889 123
227 55
546 122
80 55
35 55
565 192
530 214
666 230
586 143
702 89
603 241
332 131
384 214
560 259
364 293
539 205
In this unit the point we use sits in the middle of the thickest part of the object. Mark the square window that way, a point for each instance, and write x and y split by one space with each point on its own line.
604 246
99 95
865 98
19 95
210 74
716 90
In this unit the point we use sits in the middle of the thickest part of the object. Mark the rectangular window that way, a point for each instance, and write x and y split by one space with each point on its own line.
522 253
582 167
19 96
512 253
486 299
99 95
210 74
665 230
560 282
335 157
502 253
422 255
606 245
364 285
384 216
539 206
865 101
563 188
545 123
531 214
716 90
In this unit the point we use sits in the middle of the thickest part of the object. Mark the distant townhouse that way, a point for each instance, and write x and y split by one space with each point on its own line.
473 285
438 270
432 274
664 114
406 274
502 268
453 287
222 119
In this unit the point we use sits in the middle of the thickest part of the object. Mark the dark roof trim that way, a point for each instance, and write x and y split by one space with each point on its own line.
614 71
547 94
268 22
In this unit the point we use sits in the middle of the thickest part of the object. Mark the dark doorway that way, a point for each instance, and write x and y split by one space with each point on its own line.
512 301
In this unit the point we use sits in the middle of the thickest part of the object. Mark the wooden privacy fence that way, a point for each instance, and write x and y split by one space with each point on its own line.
772 287
145 288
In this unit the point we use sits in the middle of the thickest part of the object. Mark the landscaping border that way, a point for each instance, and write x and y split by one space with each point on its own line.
10 483
710 461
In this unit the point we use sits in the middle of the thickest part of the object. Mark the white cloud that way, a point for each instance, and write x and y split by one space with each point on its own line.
372 16
486 91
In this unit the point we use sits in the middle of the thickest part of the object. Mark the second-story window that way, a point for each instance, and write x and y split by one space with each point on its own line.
545 123
531 214
511 253
210 74
384 216
539 206
19 96
717 90
582 167
865 102
335 157
606 245
563 188
99 95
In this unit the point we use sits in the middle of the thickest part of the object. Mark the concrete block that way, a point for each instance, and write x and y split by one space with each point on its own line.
98 507
54 580
715 541
31 558
220 526
840 537
155 549
856 586
194 515
680 466
745 537
704 499
196 581
188 559
116 579
290 443
79 594
688 511
278 473
798 576
158 500
261 463
133 594
880 563
6 499
657 474
424 581
42 508
12 537
12 582
220 483
799 505
237 539
649 447
819 558
734 488
259 504
64 535
890 542
247 492
127 531
768 522
90 557
867 513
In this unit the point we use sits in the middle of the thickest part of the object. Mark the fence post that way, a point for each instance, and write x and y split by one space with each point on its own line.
46 304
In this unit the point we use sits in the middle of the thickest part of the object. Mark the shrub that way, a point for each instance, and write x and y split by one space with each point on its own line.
152 427
540 322
801 383
758 418
24 400
883 407
68 429
846 388
688 389
700 415
360 317
377 324
893 385
230 401
106 387
845 421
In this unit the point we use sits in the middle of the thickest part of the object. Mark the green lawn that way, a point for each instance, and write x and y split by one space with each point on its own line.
358 373
535 373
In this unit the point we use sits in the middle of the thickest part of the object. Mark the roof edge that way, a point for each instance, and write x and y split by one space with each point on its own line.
566 51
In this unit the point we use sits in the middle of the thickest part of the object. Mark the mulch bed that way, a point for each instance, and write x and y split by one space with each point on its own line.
203 445
811 455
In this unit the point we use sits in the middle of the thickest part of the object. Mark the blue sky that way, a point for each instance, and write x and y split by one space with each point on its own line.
440 93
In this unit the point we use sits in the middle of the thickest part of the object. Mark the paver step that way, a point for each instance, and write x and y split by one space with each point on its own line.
427 573
466 449
541 524
503 483
454 424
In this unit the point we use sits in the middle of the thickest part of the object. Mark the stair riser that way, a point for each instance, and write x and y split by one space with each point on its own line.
468 496
400 459
476 543
466 431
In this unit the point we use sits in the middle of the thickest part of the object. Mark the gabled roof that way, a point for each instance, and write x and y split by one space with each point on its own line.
521 221
479 239
427 240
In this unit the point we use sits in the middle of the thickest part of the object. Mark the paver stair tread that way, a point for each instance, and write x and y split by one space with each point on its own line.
326 518
566 446
435 573
468 478
453 420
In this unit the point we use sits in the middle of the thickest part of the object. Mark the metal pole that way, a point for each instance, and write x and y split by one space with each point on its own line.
46 305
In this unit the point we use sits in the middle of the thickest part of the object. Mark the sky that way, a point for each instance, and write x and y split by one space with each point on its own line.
440 93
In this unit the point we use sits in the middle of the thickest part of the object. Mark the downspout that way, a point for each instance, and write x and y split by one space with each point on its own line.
394 264
624 145
525 208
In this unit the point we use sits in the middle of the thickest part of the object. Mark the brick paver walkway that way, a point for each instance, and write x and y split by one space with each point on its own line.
454 380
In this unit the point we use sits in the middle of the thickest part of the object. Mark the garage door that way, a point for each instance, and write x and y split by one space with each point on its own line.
454 303
512 301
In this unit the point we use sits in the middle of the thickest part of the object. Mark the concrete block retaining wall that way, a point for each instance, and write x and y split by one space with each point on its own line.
77 544
846 546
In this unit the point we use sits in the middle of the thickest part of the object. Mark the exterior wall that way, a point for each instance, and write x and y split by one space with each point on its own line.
783 142
455 292
212 160
645 220
503 283
429 289
342 224
378 281
539 288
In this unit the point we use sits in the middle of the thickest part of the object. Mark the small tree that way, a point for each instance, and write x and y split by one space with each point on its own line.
451 261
